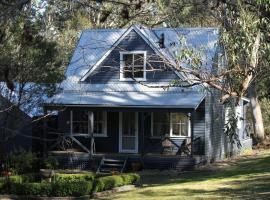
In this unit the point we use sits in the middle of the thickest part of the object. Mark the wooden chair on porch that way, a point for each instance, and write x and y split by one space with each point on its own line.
185 147
167 145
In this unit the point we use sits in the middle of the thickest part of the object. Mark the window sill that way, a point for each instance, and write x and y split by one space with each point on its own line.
88 135
132 80
176 137
101 136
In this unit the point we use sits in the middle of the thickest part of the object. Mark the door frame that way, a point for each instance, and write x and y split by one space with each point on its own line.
121 150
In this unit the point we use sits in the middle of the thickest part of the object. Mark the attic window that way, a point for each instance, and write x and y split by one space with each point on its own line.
133 66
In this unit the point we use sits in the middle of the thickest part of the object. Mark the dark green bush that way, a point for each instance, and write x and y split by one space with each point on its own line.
50 163
2 181
77 188
21 161
74 177
40 189
109 182
61 189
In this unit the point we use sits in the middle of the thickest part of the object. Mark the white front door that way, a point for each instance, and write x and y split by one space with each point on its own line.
128 132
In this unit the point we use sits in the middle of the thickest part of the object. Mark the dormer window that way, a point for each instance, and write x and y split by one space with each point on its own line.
133 66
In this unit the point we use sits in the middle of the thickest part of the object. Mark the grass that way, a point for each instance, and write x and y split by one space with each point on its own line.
247 177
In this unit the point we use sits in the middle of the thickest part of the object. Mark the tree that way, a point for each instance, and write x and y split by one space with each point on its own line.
244 28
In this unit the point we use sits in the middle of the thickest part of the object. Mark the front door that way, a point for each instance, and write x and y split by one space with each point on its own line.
128 132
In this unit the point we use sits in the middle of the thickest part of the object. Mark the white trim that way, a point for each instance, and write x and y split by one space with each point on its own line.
137 30
71 122
171 128
122 78
121 150
106 54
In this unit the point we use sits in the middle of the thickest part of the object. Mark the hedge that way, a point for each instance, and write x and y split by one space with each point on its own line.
77 188
109 182
64 184
74 177
61 189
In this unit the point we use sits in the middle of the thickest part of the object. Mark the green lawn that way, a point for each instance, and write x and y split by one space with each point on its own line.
247 177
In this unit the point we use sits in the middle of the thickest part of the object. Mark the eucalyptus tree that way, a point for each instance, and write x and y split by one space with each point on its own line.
244 37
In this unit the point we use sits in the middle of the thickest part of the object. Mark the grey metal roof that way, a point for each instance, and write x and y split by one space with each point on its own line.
131 99
94 44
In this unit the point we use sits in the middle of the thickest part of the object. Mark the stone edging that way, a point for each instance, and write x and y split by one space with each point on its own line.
124 188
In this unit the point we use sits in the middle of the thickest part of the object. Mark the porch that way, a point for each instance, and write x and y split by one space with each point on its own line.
156 125
84 161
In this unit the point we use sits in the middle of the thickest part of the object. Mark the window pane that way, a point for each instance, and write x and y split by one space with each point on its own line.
179 124
184 129
80 121
99 122
176 129
139 59
80 127
161 124
80 115
133 65
128 65
128 123
138 72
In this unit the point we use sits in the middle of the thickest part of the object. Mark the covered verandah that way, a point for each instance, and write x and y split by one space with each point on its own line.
129 127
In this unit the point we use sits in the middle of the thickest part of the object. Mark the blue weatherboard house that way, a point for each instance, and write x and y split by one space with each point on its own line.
113 95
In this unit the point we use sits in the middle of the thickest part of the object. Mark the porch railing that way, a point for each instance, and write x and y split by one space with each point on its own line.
169 146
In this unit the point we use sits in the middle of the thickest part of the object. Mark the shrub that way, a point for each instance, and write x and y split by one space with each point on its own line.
58 177
77 188
41 189
50 163
2 181
109 182
131 178
22 161
61 189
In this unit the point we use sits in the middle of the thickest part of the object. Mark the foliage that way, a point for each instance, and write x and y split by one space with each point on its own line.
59 177
230 126
64 184
109 182
21 161
41 189
61 188
75 188
265 105
50 163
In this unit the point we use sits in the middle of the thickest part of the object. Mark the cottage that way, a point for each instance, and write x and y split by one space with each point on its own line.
113 92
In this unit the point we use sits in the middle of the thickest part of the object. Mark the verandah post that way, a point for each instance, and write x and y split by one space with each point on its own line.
192 132
44 135
91 131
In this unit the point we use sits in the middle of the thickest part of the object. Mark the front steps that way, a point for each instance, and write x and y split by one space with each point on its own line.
109 166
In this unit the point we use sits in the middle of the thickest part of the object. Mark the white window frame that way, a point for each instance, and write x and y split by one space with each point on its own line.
122 78
90 124
171 127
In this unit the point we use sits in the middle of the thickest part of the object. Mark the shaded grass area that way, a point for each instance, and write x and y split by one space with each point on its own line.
247 177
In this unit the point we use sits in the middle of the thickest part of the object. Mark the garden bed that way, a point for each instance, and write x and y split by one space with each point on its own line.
79 185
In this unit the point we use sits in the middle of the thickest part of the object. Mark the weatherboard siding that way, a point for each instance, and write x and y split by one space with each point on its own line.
146 143
109 69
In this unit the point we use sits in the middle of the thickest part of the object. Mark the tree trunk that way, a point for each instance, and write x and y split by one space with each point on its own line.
256 114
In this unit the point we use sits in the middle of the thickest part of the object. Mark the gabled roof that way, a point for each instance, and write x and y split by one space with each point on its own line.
95 44
148 36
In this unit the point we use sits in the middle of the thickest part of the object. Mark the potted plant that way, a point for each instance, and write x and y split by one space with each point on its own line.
136 166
